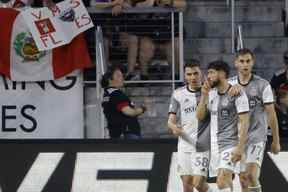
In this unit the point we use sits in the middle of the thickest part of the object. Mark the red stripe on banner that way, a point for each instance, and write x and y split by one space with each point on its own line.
7 18
69 57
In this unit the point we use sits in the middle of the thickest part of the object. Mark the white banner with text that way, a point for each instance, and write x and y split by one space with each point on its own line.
47 109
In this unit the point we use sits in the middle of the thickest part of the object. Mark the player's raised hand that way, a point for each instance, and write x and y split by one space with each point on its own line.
205 88
236 154
275 147
177 131
235 90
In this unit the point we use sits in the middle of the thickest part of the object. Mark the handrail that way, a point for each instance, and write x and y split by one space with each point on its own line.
136 10
94 10
240 43
233 26
99 54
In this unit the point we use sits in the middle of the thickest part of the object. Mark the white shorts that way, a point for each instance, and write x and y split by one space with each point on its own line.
193 163
222 160
254 154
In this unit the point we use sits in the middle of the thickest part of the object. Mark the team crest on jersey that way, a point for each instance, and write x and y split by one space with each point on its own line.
225 102
186 100
253 91
26 48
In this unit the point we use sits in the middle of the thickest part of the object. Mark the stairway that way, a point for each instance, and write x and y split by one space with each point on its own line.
208 32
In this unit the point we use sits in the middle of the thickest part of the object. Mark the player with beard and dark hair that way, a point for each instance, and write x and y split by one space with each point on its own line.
229 123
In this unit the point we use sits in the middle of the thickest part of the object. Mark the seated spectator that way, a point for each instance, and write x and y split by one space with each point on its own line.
113 26
156 35
120 113
282 110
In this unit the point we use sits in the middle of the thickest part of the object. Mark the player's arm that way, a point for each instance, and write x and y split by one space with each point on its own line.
172 125
268 100
202 108
242 105
273 124
243 127
174 107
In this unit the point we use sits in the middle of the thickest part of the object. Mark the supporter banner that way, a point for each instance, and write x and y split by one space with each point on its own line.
47 109
54 27
103 166
20 60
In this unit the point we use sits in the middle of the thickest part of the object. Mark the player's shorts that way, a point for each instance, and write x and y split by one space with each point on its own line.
222 160
193 163
254 154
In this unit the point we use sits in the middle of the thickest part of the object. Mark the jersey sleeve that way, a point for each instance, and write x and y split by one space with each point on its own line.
267 95
174 104
119 100
242 103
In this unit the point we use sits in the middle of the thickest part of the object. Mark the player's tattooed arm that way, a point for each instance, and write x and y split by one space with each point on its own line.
273 124
243 127
178 131
202 108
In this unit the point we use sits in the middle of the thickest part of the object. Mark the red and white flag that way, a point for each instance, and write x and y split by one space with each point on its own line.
20 59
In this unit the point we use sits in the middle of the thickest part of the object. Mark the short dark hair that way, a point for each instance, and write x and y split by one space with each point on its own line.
191 63
220 65
244 51
108 75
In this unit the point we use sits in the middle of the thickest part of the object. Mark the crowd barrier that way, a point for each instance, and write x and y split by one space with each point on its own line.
106 166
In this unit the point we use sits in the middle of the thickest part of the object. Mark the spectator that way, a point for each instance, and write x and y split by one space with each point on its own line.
113 26
282 110
280 78
157 35
120 113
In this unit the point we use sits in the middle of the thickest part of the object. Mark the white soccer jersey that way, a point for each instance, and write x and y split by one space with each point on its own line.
184 103
259 93
224 111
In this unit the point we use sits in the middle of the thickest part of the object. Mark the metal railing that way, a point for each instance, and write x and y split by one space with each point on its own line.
157 10
237 41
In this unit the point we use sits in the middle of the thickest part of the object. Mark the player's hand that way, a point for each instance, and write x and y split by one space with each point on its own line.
275 147
235 90
236 154
205 88
177 131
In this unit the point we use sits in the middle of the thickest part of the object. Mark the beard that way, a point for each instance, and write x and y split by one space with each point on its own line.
214 84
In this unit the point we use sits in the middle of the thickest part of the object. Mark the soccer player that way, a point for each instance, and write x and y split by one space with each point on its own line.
262 115
193 144
227 141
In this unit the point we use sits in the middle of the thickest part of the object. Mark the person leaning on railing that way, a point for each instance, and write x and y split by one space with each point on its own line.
115 35
156 35
120 112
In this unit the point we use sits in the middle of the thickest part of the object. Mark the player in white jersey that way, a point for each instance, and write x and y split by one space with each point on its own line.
227 113
262 115
193 143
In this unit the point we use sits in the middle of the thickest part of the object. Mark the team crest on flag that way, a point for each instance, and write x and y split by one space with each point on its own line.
45 26
26 48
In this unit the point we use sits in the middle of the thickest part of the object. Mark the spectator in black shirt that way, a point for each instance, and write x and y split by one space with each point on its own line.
120 113
282 111
280 78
